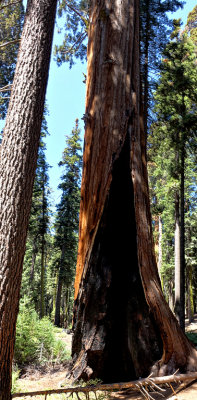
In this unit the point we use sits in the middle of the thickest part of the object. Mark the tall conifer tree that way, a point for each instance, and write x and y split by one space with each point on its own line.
11 22
176 106
67 220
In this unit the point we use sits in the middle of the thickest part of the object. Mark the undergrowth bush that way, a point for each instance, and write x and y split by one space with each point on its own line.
193 337
15 376
35 340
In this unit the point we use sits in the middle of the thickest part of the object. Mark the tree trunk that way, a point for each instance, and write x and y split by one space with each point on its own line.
177 244
190 302
33 261
160 246
42 286
18 163
59 289
42 275
58 300
182 238
120 315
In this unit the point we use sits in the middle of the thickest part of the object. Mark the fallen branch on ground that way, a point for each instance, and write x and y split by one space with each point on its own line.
138 384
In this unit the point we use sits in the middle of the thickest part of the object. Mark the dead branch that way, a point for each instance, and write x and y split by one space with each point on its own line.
10 4
75 11
78 41
115 386
6 88
8 43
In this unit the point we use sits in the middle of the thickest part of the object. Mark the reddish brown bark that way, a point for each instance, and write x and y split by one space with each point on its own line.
18 163
120 313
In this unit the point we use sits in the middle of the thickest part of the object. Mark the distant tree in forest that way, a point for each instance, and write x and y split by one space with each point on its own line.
155 29
67 221
176 110
192 25
34 274
18 159
11 22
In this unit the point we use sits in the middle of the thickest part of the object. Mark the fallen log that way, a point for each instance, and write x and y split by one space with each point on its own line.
137 384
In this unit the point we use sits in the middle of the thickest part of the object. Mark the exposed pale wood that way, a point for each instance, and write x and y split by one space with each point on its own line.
114 386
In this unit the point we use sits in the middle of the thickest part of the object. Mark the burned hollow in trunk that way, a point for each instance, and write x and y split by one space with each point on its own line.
113 310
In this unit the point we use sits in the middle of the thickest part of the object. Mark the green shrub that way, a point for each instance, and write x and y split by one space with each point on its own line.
15 376
35 339
192 336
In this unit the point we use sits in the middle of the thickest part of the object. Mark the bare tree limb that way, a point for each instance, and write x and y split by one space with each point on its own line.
10 4
115 386
6 88
75 11
8 43
79 40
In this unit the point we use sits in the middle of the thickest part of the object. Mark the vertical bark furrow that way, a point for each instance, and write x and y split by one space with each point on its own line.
108 109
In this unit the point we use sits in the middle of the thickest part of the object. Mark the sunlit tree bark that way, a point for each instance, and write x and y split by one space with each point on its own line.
18 163
121 320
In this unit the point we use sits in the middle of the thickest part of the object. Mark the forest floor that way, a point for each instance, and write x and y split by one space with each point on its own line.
53 377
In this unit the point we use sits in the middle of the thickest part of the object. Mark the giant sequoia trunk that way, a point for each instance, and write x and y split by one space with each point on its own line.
122 323
17 168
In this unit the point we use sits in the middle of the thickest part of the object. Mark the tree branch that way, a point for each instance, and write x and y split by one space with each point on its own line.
6 88
75 11
8 43
10 4
116 386
79 40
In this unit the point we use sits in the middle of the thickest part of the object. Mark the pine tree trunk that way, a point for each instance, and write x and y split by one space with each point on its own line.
190 302
58 301
55 293
177 245
42 286
182 239
18 163
33 261
57 321
120 315
160 246
42 275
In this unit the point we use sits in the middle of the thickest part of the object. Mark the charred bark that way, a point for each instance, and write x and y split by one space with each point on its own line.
120 315
121 338
18 163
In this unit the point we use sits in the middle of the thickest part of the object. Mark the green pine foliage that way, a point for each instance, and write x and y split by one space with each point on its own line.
76 30
11 22
192 24
67 219
35 339
155 29
172 133
38 244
